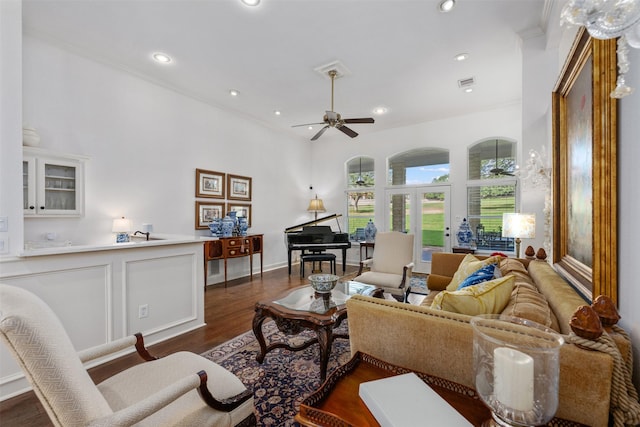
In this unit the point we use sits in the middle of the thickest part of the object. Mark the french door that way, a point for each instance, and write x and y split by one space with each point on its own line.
424 212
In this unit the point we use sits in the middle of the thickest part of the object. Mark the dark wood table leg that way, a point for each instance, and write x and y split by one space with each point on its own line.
325 339
258 319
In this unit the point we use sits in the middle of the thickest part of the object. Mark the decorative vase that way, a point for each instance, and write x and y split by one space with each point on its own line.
234 217
464 234
216 227
227 226
243 225
370 231
30 137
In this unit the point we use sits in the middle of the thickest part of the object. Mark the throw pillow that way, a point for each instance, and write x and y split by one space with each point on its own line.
486 298
484 274
469 265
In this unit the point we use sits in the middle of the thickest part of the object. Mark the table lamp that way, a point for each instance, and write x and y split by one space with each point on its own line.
518 226
316 205
122 227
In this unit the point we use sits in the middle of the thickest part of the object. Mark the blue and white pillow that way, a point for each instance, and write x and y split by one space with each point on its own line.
484 274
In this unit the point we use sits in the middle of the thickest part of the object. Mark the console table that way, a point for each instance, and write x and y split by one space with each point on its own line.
233 247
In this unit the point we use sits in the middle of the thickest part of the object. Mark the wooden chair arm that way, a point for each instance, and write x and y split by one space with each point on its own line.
225 405
364 263
114 346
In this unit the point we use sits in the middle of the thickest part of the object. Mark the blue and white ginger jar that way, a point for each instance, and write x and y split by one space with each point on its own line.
370 231
228 225
464 234
216 227
243 225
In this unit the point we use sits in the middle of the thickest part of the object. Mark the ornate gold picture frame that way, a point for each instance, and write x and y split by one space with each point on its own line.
584 168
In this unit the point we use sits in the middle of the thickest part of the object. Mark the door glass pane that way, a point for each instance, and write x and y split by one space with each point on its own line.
361 209
432 211
60 187
400 213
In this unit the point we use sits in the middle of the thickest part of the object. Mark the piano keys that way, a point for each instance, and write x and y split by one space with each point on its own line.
316 238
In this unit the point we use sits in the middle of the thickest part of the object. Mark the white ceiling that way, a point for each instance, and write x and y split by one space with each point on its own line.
399 53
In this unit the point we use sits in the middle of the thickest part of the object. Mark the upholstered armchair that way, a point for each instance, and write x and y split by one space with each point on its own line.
180 389
391 265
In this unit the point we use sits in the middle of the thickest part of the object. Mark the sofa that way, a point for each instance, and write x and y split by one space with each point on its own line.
440 342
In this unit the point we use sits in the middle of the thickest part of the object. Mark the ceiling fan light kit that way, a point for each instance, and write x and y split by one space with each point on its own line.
335 120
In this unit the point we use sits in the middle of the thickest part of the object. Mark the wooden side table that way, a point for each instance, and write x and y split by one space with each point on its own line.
366 246
461 250
337 402
233 247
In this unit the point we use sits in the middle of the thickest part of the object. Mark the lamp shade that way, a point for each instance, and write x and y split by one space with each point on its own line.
316 205
519 225
121 225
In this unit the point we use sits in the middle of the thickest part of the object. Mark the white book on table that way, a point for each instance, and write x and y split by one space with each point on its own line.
406 401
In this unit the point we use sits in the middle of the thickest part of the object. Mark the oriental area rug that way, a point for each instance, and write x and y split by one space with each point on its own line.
285 378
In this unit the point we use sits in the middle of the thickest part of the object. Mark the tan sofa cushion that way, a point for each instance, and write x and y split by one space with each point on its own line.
485 298
529 304
469 265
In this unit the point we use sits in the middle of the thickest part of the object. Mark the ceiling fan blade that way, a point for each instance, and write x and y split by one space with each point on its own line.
347 131
319 134
361 120
308 124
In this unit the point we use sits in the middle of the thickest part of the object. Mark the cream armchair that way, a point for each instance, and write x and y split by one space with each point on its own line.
168 391
391 265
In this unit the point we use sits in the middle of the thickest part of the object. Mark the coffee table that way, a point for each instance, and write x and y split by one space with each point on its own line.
303 308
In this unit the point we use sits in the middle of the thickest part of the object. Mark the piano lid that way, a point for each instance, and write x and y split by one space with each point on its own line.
314 222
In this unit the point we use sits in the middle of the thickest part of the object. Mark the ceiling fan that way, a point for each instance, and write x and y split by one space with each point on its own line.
334 120
498 170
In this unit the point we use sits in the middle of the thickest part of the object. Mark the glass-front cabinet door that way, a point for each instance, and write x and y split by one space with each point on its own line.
52 186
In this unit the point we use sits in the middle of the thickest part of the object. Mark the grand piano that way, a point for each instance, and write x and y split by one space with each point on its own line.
316 238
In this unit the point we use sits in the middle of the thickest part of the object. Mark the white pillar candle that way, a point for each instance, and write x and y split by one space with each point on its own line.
513 378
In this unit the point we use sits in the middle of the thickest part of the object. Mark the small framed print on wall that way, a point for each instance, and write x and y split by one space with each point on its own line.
210 184
243 210
207 212
238 187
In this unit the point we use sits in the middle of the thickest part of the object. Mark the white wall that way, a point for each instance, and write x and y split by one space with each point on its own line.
628 208
144 143
10 124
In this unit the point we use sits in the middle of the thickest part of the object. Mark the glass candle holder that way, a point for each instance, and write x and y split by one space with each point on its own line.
516 365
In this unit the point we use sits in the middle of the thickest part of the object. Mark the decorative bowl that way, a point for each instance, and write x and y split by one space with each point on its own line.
323 283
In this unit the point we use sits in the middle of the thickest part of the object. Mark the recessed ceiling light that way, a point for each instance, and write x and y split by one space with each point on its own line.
461 56
380 110
310 128
446 5
234 92
251 2
468 90
277 112
162 57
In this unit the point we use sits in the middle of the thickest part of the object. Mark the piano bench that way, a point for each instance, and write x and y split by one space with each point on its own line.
317 257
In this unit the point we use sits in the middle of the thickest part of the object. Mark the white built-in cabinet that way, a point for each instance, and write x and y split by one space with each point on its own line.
53 184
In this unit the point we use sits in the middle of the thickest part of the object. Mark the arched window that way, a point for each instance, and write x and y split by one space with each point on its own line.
419 166
360 195
491 191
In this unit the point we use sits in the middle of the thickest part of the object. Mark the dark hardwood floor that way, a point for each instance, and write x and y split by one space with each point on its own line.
228 313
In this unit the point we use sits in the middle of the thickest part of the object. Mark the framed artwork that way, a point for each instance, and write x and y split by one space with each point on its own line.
238 187
207 212
584 168
210 184
242 209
